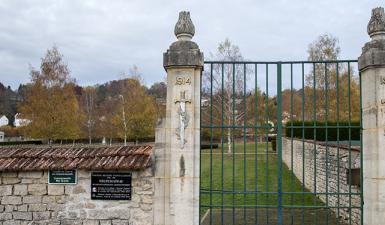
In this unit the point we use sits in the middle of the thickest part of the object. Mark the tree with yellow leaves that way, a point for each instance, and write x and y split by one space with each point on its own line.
136 113
335 86
51 102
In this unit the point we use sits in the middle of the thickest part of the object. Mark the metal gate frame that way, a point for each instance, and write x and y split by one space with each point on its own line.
209 125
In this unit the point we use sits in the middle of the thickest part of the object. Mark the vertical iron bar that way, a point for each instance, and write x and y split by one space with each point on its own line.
327 147
292 145
233 140
244 143
338 143
211 142
315 141
267 141
303 140
256 141
222 139
350 150
200 150
279 139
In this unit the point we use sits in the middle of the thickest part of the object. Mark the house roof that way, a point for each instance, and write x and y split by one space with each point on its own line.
19 116
69 158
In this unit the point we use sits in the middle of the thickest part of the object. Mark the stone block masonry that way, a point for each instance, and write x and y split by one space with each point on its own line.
29 200
325 171
26 196
177 150
371 65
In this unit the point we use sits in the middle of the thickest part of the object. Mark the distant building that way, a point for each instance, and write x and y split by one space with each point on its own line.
1 136
3 120
161 101
287 117
20 121
205 102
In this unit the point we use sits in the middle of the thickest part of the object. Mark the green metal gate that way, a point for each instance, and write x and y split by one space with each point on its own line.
281 143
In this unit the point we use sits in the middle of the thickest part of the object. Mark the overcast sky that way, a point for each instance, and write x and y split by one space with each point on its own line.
100 39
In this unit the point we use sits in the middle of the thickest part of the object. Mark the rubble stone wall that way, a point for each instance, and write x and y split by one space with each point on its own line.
28 199
331 165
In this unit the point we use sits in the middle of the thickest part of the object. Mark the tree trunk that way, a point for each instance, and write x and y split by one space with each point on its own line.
89 135
229 140
229 115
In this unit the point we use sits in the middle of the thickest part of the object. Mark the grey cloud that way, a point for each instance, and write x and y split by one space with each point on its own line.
100 38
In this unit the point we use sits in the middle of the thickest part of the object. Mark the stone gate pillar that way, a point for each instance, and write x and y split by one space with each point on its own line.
371 64
177 170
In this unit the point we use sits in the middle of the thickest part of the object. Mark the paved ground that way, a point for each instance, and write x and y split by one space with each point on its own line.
290 217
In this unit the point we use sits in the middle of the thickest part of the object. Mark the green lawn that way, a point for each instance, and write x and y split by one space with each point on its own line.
248 179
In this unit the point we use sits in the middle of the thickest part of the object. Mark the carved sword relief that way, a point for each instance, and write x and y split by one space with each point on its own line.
183 118
382 83
383 80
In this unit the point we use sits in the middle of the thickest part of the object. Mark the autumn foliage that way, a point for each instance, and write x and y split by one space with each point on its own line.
61 110
51 103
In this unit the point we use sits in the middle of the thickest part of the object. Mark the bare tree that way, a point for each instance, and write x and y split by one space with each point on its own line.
89 110
324 48
227 87
106 125
325 79
124 119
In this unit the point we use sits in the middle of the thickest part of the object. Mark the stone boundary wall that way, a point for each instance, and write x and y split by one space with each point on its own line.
293 151
28 199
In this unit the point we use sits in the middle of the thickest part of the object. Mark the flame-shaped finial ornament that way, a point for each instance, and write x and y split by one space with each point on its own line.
184 28
376 24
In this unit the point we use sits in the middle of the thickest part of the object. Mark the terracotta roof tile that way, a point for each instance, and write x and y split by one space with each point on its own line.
68 158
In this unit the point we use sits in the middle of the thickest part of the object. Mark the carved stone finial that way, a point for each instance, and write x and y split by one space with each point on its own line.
184 28
376 24
373 53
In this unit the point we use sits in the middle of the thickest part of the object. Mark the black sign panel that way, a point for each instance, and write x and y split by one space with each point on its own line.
110 186
62 177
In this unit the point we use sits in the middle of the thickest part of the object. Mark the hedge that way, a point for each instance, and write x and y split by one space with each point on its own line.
209 146
33 142
320 130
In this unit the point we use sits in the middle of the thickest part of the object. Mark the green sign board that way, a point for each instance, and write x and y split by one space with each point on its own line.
62 177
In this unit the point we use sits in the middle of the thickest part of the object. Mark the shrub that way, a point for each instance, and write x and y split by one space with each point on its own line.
317 130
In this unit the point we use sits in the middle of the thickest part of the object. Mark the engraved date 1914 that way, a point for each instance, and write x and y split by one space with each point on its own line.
183 81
